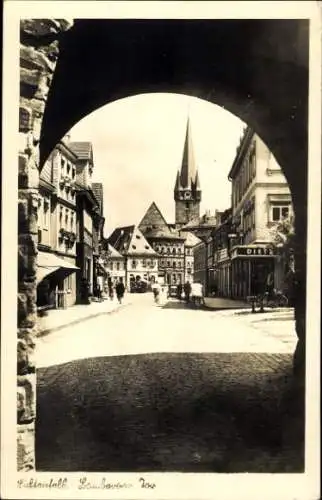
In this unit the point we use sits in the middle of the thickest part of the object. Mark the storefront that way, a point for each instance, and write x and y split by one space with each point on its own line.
56 281
250 267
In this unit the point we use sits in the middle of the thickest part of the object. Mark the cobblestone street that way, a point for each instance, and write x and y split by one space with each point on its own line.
170 389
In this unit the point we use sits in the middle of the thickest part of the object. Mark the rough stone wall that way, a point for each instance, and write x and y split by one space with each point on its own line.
38 55
184 215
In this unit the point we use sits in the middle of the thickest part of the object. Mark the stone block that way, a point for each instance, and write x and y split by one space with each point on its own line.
25 354
42 27
26 448
25 122
26 398
34 59
30 77
27 298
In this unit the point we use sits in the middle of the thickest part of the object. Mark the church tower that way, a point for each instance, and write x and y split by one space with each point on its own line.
187 192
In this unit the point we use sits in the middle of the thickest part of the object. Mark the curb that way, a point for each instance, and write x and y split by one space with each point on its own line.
47 331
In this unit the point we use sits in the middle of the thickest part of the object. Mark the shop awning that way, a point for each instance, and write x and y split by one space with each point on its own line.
48 263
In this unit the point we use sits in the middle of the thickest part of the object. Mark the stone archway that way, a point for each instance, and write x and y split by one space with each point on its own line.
257 70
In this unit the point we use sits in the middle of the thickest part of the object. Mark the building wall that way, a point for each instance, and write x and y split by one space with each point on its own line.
189 264
171 261
200 264
145 267
186 211
115 268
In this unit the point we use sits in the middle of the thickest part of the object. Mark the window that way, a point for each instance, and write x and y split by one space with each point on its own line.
279 212
134 264
117 266
168 250
68 169
174 265
179 250
144 263
66 216
179 263
134 247
73 172
138 236
111 266
46 212
187 204
152 263
168 263
174 251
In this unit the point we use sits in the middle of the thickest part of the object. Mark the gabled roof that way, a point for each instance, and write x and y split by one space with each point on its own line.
83 150
153 219
191 239
129 240
113 252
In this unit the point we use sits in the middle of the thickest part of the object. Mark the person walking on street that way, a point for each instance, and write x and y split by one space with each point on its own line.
156 288
187 291
120 289
197 294
179 291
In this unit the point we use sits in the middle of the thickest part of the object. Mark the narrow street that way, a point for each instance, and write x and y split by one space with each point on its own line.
169 389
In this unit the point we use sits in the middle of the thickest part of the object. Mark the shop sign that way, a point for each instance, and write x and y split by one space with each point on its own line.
256 251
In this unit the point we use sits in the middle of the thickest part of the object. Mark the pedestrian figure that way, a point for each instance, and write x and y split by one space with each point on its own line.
100 288
197 294
270 285
120 289
179 291
187 291
156 288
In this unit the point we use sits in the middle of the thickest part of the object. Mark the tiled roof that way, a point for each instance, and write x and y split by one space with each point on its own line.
113 252
191 239
129 240
163 233
97 188
83 150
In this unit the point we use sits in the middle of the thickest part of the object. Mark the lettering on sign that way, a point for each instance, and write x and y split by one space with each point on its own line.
256 251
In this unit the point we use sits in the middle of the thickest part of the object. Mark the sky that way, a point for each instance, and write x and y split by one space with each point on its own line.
138 145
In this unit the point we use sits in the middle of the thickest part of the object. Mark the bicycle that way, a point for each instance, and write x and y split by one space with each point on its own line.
276 299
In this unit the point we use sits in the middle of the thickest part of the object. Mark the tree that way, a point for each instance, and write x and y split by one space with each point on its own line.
283 235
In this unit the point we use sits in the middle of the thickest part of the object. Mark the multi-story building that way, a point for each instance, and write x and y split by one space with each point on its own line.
260 198
200 264
221 255
168 244
114 262
190 242
57 229
141 261
98 234
89 220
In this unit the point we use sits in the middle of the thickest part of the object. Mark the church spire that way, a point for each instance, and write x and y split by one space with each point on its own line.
177 184
188 167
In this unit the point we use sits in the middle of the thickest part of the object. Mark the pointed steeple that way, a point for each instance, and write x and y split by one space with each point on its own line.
177 186
197 182
188 167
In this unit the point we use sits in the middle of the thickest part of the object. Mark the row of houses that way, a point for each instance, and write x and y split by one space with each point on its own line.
156 249
70 226
237 257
